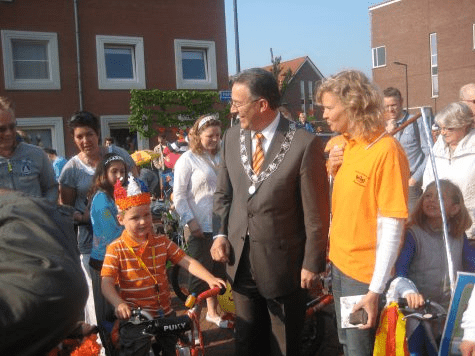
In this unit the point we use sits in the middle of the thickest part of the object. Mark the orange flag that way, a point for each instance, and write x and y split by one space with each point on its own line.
391 333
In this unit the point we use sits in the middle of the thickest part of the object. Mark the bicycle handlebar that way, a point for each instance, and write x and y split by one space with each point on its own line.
359 318
213 292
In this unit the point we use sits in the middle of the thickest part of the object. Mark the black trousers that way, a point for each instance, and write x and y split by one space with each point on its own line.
265 326
134 343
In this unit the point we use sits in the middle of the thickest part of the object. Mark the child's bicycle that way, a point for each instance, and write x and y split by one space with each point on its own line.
319 335
186 327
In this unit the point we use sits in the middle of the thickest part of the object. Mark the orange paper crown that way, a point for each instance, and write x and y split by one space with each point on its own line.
136 194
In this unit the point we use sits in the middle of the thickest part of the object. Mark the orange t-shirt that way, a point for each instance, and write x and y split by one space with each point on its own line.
136 285
371 181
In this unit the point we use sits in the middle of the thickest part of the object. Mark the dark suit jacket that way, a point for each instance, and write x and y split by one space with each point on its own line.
287 217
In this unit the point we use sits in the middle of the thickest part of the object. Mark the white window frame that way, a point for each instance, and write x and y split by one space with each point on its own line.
375 49
120 121
138 82
211 82
54 124
434 63
52 83
310 93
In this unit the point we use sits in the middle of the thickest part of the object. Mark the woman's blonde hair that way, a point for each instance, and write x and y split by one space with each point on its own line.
199 126
457 223
361 99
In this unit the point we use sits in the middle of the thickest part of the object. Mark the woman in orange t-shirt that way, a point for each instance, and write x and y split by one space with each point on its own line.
369 200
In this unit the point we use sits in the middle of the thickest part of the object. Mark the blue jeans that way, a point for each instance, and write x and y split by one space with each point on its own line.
355 342
419 343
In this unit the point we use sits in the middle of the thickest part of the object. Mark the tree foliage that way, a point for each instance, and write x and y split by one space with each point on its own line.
150 108
282 78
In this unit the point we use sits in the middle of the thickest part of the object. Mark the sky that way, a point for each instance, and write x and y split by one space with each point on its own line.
334 34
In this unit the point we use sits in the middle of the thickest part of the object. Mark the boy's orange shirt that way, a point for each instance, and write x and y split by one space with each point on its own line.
136 285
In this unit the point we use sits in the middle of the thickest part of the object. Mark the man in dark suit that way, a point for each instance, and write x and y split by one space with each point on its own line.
270 217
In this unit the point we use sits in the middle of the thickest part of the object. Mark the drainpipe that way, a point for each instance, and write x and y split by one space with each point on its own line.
78 57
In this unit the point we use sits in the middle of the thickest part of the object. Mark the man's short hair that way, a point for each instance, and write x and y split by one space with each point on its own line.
392 92
261 84
467 92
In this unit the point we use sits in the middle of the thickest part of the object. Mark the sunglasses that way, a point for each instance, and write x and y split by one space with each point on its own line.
4 128
83 118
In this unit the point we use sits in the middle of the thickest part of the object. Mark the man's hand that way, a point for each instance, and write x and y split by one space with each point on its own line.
369 303
308 279
335 159
391 125
468 348
195 228
412 182
123 311
221 249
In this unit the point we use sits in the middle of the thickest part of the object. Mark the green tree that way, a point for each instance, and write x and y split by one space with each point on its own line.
150 108
282 78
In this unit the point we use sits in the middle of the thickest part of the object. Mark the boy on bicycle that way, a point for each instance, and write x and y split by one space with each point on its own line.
136 261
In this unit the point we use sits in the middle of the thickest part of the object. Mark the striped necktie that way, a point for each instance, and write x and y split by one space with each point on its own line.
258 156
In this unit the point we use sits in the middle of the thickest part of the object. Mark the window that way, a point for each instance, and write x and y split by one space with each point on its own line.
117 126
302 96
195 64
379 57
434 68
44 131
120 62
310 93
30 60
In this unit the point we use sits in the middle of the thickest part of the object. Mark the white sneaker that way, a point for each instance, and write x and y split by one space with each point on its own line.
223 324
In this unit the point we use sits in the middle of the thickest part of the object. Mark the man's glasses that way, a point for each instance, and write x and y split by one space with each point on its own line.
238 105
4 128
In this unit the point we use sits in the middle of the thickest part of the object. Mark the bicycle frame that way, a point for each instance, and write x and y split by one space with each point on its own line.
184 327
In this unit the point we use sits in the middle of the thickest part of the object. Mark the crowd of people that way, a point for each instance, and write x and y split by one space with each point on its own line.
257 204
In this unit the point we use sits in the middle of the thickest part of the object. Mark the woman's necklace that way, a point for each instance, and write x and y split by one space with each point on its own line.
93 161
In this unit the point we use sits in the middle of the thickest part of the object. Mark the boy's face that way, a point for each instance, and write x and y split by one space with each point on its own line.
137 220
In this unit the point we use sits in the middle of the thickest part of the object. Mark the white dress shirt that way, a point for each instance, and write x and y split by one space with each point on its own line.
194 185
268 133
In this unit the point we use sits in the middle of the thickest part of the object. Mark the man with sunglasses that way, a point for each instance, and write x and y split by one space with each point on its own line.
23 167
467 95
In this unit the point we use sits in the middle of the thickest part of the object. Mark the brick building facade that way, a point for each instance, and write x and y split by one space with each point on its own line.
119 45
299 94
433 39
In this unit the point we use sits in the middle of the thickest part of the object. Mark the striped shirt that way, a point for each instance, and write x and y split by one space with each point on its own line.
137 287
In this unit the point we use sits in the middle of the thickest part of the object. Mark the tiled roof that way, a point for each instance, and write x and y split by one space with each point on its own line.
293 65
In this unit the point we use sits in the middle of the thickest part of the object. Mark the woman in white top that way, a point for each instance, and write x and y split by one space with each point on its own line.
195 183
454 154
